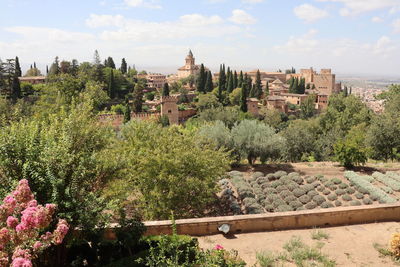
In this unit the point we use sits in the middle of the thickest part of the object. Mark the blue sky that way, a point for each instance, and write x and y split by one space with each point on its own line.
349 36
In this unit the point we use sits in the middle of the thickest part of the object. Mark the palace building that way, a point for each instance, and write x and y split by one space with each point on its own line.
190 67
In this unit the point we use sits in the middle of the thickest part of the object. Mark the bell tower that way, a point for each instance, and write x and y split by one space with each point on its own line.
190 60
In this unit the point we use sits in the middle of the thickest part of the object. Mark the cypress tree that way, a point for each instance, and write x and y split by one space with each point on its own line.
253 92
18 71
110 63
222 78
124 66
201 80
240 82
34 65
228 73
230 86
165 90
266 92
258 85
127 112
16 89
47 69
235 80
209 83
243 98
346 91
111 85
137 98
55 67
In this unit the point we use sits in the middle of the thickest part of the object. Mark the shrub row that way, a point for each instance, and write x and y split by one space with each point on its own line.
387 180
370 188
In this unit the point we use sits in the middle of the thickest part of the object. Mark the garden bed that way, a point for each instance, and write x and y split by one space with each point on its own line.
257 193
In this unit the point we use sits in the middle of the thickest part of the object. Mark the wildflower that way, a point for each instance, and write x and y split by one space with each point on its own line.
218 247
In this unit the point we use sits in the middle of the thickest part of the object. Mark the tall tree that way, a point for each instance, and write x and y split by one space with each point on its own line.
110 63
127 111
111 85
55 67
209 83
222 78
201 80
258 85
97 73
266 91
18 71
96 58
65 67
235 80
165 90
230 86
74 67
240 82
124 66
243 98
138 97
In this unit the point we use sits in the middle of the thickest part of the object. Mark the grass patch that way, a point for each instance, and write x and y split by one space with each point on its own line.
383 252
298 253
317 234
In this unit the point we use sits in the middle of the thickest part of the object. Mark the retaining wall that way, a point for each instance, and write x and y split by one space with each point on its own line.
279 221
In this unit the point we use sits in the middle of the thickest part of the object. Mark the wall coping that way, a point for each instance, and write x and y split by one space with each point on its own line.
280 221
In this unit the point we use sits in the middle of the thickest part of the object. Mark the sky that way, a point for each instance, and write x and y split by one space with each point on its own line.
350 36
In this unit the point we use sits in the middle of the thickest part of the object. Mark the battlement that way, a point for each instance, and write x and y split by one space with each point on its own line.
326 71
169 99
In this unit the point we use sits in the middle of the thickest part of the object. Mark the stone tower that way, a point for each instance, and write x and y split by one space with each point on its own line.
252 106
190 60
169 107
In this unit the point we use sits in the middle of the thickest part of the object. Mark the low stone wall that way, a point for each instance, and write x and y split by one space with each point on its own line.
280 221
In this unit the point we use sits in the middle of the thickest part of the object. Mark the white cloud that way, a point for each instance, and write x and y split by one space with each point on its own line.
240 16
310 13
252 1
142 3
396 25
355 7
187 26
377 19
303 44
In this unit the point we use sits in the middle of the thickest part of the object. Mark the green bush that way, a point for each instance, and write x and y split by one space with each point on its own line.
285 193
359 196
347 197
281 188
310 205
269 208
387 180
269 191
297 179
350 190
257 175
307 187
332 187
299 192
305 199
311 179
338 203
291 198
343 186
312 193
279 174
292 186
340 192
284 208
326 192
367 201
332 197
326 205
320 188
355 203
278 202
295 204
319 199
336 181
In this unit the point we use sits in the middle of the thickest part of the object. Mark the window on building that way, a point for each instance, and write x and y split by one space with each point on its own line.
169 111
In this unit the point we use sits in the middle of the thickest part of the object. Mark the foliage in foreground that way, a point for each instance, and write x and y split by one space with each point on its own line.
23 223
298 253
168 170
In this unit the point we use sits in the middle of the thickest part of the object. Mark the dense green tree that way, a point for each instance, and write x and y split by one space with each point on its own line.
61 157
209 83
307 107
110 63
127 112
240 81
243 97
97 73
138 98
351 150
18 71
74 67
207 101
165 90
235 97
300 139
65 67
161 160
201 80
230 86
258 85
221 83
235 80
111 85
55 67
266 91
124 66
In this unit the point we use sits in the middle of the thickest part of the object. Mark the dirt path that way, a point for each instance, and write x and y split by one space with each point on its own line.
347 245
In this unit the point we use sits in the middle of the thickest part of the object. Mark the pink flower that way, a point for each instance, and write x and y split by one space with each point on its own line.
218 247
9 204
60 232
21 253
4 236
32 203
23 193
12 222
37 245
21 227
21 262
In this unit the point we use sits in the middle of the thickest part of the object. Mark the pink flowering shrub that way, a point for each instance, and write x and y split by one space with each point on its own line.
21 221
